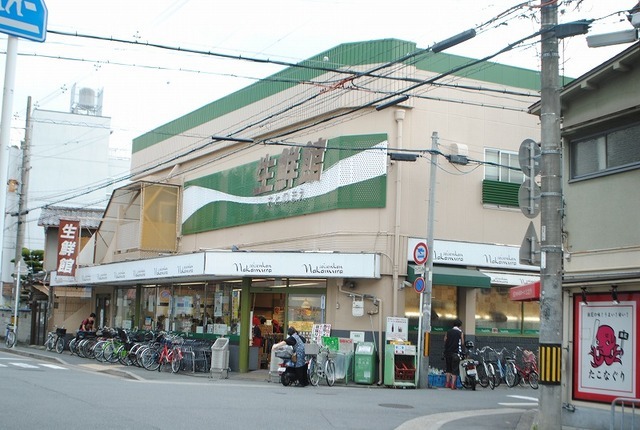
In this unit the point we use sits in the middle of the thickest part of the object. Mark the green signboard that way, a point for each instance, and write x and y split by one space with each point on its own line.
342 173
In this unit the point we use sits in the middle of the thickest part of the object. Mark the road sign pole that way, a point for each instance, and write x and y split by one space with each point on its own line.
5 137
424 323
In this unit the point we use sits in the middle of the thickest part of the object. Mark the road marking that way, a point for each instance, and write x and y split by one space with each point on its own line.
533 399
435 421
518 404
24 365
53 366
3 365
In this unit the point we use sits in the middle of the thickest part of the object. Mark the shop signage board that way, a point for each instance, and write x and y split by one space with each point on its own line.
229 264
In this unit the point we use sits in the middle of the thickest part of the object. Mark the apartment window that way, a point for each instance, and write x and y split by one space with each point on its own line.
502 178
504 166
608 152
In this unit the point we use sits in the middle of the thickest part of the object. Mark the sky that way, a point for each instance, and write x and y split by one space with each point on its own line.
145 87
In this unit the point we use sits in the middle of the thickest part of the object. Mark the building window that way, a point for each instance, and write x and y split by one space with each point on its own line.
503 166
496 313
609 152
501 179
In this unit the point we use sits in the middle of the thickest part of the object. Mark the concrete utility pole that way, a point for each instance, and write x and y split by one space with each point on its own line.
424 323
550 410
24 184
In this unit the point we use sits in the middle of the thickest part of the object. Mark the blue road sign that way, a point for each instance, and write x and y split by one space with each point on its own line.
24 18
419 285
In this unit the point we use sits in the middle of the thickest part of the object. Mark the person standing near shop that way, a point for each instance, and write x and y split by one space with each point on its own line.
300 366
453 341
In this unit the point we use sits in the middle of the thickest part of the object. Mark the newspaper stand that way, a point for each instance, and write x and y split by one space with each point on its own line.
220 358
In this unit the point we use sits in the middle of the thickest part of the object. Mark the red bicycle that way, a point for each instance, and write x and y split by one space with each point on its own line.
522 368
169 354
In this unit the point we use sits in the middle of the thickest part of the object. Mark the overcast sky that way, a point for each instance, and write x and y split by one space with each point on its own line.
145 87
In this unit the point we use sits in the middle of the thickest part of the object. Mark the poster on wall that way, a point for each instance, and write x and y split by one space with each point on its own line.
605 347
397 328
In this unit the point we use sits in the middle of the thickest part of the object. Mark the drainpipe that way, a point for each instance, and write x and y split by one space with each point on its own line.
399 117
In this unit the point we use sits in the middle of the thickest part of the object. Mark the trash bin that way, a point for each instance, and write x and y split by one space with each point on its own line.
220 358
365 363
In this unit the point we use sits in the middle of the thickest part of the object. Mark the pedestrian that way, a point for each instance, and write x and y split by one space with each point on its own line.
453 341
299 365
87 324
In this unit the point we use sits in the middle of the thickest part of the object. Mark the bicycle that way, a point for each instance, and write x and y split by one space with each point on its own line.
171 354
322 366
10 336
486 373
56 340
521 373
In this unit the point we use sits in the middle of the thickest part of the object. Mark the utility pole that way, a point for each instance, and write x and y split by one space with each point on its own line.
24 184
550 410
22 197
424 323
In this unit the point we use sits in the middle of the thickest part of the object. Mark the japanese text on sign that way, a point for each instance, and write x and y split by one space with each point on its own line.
68 240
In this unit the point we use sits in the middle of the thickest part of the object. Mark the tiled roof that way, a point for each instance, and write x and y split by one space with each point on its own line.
89 218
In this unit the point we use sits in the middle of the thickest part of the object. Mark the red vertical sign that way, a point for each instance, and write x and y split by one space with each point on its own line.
68 243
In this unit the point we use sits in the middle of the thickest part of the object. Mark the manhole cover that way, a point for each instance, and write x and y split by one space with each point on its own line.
395 406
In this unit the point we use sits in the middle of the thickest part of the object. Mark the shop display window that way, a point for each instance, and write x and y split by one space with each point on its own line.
497 313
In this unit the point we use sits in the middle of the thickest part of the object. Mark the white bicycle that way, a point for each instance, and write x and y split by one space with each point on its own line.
10 336
322 366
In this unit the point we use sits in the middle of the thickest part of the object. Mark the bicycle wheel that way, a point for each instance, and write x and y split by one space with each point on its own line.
330 372
533 379
123 356
150 359
492 375
314 377
110 352
98 350
50 343
10 340
511 375
497 379
60 345
176 360
483 378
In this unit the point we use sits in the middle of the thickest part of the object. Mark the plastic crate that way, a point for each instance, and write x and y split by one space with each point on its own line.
404 372
437 380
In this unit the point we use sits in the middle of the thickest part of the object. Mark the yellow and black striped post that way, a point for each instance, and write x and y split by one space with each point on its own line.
550 363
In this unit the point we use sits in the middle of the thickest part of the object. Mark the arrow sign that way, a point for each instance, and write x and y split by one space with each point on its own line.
24 18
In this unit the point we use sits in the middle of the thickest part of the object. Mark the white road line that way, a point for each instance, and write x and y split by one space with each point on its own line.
435 421
24 365
533 399
518 404
3 365
53 366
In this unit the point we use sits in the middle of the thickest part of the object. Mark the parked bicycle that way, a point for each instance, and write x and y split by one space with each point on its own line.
322 366
522 367
10 336
56 340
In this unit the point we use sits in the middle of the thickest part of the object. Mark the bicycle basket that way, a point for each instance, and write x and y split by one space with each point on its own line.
61 331
284 352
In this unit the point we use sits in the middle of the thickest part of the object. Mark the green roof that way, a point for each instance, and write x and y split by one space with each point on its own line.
348 54
453 276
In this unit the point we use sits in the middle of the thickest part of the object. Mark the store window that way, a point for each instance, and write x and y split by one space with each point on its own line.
497 313
125 308
444 305
305 310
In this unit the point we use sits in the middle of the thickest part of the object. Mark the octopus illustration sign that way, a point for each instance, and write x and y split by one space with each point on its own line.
606 350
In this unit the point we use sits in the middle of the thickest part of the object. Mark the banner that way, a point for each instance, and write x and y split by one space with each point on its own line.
68 243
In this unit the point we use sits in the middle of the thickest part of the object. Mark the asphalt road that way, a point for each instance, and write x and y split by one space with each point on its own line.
44 389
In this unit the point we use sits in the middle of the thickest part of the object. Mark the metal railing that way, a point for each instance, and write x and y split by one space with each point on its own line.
627 419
